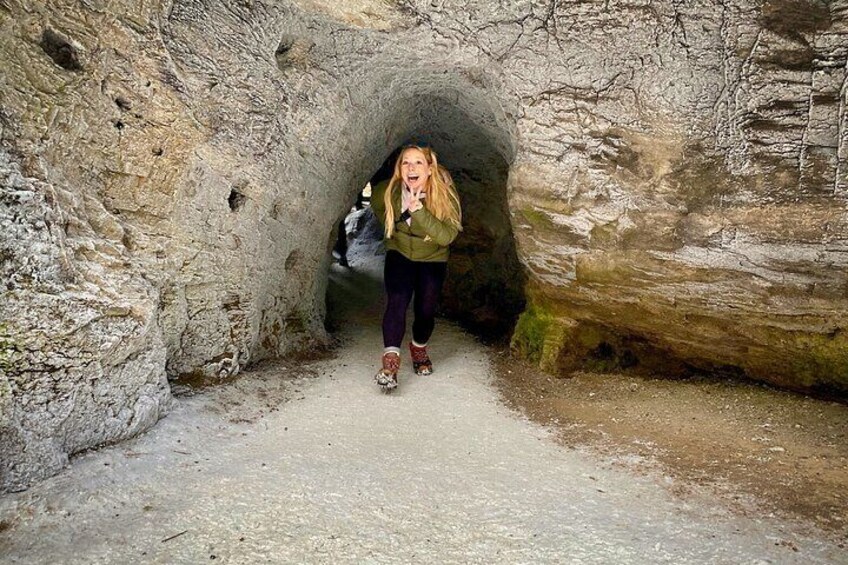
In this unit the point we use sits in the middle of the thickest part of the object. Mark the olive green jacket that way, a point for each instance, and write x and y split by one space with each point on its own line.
426 239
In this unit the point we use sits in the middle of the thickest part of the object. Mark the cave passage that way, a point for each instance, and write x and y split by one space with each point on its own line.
484 290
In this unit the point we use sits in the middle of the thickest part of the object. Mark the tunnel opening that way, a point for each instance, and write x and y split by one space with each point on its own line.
484 288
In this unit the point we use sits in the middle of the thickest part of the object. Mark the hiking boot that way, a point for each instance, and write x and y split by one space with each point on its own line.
420 360
386 377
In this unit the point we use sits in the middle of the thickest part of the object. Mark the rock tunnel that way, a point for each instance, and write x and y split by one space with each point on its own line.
485 286
661 186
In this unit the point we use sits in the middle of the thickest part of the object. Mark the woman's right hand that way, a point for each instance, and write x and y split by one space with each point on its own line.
411 200
406 195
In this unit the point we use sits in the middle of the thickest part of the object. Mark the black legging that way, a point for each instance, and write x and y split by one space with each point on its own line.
404 277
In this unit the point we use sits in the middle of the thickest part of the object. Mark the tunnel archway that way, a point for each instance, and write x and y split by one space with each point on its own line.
469 119
484 290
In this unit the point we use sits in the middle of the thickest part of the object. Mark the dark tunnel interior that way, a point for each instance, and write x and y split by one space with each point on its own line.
484 290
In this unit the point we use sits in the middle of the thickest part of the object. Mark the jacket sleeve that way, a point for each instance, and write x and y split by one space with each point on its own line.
441 232
378 205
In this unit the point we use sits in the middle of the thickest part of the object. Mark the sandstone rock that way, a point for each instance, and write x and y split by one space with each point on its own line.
668 178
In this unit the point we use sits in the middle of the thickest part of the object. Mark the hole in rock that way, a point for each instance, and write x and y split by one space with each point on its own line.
236 199
61 50
484 288
292 260
292 51
284 47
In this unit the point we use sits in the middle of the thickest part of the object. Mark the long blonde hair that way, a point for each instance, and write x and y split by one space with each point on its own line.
442 199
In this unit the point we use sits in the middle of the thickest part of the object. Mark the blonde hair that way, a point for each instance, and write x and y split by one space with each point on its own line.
442 199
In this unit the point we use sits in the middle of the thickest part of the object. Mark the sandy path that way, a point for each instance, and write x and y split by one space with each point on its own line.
438 472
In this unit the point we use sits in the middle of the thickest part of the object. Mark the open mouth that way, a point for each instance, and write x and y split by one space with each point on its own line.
413 178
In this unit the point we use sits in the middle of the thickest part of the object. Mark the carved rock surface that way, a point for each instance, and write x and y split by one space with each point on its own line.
673 174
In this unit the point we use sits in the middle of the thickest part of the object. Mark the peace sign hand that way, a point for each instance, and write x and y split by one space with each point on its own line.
407 197
414 204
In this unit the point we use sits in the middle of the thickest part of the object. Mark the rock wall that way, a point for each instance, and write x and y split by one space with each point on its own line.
172 171
703 218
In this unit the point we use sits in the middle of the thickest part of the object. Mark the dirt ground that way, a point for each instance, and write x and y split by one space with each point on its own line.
760 449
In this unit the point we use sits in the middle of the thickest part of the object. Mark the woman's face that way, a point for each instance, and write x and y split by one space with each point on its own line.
414 169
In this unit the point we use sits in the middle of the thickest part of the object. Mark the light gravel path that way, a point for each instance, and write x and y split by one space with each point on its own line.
438 472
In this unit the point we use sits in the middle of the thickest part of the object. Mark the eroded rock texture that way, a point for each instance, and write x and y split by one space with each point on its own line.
674 174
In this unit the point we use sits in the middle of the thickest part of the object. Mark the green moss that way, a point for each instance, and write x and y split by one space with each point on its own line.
560 345
551 335
540 337
822 360
529 335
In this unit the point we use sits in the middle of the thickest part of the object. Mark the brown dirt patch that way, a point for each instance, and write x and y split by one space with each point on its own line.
761 450
259 390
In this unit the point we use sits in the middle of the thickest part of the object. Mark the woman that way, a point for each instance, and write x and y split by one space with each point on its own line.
421 216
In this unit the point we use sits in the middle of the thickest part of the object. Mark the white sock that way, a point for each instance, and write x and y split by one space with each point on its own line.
395 350
416 344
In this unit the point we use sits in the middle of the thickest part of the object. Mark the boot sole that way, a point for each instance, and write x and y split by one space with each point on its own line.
387 385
